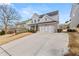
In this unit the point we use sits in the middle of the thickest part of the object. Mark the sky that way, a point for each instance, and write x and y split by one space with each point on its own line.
26 10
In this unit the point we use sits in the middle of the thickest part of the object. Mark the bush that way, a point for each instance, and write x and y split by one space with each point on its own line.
59 30
10 32
18 31
78 26
2 32
71 30
31 31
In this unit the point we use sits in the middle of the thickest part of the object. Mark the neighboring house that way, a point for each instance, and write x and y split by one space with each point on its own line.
27 24
61 26
74 16
67 24
20 27
46 22
23 26
11 28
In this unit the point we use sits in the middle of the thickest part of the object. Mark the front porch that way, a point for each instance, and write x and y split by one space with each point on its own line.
33 27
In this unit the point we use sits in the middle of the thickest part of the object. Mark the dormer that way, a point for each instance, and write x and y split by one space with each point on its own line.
52 16
35 18
45 18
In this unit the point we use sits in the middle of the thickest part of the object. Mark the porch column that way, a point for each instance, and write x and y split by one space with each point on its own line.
35 28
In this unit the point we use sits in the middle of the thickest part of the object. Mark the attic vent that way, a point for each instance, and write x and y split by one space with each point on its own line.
45 19
38 20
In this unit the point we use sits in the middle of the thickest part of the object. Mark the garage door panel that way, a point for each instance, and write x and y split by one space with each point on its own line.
49 28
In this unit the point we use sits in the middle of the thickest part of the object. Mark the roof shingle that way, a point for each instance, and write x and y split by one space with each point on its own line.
49 14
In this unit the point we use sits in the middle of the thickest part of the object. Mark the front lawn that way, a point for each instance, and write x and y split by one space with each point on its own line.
74 43
10 37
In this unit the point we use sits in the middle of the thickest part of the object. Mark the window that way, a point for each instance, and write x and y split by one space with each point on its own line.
38 20
34 21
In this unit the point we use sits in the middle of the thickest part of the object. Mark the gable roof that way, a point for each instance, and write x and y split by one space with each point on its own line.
49 14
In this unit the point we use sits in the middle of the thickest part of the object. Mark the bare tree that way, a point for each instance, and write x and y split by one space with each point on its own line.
8 15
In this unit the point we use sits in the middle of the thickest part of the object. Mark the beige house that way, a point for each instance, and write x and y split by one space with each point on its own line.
20 27
74 15
46 22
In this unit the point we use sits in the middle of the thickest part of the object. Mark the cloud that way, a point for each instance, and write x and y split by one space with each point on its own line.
27 12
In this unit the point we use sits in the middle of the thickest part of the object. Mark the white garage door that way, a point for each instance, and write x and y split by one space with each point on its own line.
51 29
47 29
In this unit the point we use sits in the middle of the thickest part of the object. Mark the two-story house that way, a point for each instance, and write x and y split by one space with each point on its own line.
46 22
74 16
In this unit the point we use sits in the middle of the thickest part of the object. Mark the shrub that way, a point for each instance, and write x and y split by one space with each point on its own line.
59 30
2 32
18 31
78 26
71 30
31 31
10 32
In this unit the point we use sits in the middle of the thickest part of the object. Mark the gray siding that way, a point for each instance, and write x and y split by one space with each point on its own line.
74 16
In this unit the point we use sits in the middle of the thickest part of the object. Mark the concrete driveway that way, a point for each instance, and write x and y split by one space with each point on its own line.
41 44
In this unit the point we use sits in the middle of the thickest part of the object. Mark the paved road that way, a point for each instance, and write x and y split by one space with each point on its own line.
42 44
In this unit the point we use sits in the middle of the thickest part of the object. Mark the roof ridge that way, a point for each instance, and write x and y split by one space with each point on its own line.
49 14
